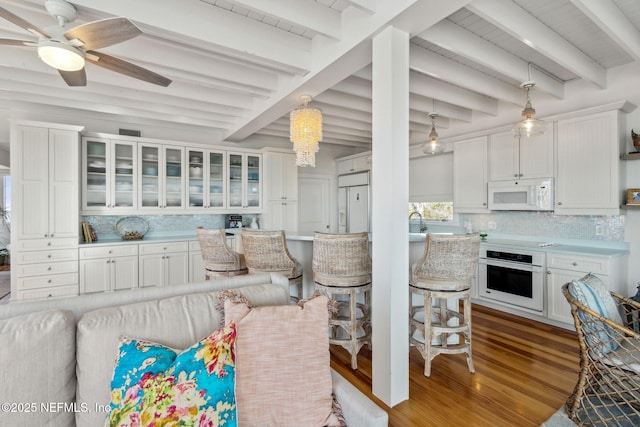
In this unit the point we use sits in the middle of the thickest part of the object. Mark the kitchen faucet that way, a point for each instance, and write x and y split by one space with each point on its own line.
423 227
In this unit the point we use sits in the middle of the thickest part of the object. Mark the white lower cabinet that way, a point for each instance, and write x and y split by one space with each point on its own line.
563 268
108 268
196 263
46 268
163 264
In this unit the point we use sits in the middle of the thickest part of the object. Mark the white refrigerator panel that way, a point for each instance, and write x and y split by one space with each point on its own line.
358 209
342 210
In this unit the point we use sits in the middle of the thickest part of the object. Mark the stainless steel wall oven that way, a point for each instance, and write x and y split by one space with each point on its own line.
512 276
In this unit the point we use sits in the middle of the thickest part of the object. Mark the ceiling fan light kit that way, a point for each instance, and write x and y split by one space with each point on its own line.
60 55
67 50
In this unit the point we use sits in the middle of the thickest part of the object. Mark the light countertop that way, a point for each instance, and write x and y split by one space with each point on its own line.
576 247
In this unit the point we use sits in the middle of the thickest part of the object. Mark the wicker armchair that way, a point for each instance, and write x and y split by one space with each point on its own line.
342 266
608 389
443 273
266 252
219 260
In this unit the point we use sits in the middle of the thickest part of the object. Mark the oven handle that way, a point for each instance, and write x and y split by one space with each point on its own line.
512 265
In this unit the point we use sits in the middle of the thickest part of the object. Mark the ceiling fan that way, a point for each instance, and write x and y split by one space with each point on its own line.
68 50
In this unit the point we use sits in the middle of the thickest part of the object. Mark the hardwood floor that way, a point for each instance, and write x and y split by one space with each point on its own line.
525 370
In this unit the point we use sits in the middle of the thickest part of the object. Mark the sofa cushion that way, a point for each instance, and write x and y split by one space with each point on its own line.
283 376
38 371
152 382
176 322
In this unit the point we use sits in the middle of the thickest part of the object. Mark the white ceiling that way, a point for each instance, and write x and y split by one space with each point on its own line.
239 66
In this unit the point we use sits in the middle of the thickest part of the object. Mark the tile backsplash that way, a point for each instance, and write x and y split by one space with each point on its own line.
548 225
104 225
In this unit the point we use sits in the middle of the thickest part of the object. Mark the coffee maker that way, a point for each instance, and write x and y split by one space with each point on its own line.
234 221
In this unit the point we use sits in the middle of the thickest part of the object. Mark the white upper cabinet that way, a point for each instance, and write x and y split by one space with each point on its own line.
280 191
162 179
355 163
206 179
588 165
44 168
244 177
109 175
470 175
520 157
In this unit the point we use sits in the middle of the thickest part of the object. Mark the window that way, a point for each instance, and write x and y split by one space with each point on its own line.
433 211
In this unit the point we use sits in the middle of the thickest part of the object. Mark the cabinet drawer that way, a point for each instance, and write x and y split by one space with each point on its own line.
48 281
45 256
45 244
62 291
579 263
162 248
194 245
108 251
27 270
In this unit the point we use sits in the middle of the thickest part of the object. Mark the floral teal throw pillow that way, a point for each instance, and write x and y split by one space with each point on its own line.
153 385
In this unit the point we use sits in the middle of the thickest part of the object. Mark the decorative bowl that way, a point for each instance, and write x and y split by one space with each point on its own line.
132 228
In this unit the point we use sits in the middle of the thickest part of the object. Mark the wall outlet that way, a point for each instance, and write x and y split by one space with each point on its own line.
491 225
599 230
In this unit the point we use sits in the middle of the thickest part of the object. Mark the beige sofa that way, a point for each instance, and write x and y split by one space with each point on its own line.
57 355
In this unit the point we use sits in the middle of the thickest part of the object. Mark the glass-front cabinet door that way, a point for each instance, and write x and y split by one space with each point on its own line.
216 180
150 180
123 172
174 178
244 179
253 181
96 186
235 181
109 175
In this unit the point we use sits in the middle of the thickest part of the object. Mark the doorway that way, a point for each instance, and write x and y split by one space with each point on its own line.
315 203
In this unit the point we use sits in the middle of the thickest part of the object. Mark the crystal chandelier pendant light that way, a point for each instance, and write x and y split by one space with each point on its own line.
305 132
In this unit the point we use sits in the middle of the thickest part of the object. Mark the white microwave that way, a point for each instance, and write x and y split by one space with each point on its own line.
521 195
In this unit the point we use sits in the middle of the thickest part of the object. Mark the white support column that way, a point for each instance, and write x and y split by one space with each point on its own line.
390 183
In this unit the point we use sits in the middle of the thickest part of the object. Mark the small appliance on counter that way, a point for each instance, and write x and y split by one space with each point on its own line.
234 221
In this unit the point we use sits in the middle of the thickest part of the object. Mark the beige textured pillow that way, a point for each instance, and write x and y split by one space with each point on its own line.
283 376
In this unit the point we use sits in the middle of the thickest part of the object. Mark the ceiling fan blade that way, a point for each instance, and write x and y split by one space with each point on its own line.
103 33
74 78
21 22
127 68
13 42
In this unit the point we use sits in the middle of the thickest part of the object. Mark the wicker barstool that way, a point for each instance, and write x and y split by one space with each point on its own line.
219 260
266 252
342 266
444 272
607 392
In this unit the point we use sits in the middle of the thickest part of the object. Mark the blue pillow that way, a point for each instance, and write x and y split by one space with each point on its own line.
591 292
155 385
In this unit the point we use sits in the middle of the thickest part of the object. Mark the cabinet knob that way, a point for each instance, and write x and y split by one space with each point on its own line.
515 175
548 272
109 250
559 203
484 203
49 281
46 235
48 243
49 256
575 264
52 235
49 269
